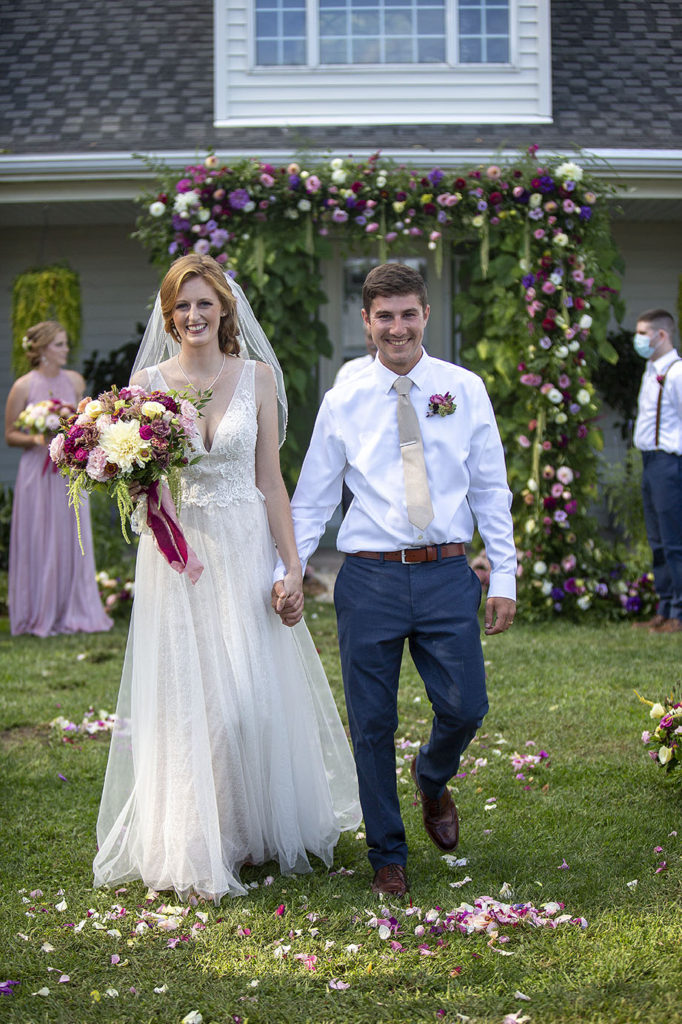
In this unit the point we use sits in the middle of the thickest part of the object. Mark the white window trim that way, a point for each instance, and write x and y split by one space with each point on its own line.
317 90
313 46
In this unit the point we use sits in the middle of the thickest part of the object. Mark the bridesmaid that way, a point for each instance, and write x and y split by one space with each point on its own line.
52 586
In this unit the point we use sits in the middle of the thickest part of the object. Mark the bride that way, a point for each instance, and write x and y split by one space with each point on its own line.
228 747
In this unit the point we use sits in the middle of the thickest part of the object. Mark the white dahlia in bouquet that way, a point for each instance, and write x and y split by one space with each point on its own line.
135 436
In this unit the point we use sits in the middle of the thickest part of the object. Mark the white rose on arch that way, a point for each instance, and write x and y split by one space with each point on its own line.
569 171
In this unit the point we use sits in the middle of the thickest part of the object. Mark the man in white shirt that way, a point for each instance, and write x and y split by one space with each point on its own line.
401 580
658 435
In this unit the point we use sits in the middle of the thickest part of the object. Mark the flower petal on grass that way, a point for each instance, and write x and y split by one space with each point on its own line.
47 947
339 985
520 995
458 885
193 1017
6 989
633 884
41 992
563 866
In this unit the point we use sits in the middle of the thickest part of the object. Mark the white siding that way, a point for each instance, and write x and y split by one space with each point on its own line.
435 94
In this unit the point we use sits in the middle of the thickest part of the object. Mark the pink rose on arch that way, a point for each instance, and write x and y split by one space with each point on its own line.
531 380
568 563
312 183
564 381
267 180
564 474
557 490
523 441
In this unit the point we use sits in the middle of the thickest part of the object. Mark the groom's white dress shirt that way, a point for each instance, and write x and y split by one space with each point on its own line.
356 436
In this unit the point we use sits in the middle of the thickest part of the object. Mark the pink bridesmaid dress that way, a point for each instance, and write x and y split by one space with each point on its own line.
52 586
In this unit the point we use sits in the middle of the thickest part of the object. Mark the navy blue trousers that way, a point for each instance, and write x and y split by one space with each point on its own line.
662 499
432 605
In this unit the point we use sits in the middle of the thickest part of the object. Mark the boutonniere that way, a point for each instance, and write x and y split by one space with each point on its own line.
441 405
660 378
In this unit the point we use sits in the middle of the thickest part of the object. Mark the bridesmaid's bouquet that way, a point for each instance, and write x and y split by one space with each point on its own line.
43 417
134 436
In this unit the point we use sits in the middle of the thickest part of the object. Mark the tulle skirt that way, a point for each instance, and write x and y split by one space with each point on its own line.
228 746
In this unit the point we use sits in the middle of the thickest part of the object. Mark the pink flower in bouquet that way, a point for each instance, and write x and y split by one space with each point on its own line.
56 448
96 465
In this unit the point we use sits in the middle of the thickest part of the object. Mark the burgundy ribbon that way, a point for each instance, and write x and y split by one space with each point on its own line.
162 520
48 462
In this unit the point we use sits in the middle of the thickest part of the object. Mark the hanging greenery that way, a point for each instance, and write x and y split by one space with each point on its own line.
45 293
539 279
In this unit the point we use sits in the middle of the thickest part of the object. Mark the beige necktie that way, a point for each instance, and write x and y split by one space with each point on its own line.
419 507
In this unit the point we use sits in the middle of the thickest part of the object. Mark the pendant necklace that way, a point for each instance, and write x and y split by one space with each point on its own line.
195 389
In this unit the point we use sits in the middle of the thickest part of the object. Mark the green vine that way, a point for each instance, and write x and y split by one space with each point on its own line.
45 293
539 279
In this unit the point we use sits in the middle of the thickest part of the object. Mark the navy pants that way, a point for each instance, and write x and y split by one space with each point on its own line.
662 498
432 605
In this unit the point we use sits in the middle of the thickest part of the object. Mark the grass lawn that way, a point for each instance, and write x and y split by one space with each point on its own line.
582 824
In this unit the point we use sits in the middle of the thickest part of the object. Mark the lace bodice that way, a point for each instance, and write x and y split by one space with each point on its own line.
225 475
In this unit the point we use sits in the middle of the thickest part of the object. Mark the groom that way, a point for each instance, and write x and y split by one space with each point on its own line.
415 438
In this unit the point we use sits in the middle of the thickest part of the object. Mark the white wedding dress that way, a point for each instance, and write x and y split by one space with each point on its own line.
228 747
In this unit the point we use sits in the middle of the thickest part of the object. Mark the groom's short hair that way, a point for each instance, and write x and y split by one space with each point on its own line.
393 279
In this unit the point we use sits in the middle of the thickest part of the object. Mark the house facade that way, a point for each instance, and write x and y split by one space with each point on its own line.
89 89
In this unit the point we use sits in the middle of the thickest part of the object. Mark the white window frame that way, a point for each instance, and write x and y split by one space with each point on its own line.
518 92
313 44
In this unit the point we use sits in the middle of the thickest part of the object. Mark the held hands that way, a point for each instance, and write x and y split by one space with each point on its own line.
287 598
499 614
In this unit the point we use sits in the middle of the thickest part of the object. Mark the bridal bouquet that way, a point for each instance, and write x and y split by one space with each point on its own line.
134 436
43 417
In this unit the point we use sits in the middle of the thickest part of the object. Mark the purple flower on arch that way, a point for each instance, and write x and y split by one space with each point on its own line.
239 198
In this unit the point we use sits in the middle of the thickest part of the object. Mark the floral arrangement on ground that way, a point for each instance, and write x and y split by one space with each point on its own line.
665 742
539 279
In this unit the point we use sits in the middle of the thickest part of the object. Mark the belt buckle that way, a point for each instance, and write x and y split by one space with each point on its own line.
402 556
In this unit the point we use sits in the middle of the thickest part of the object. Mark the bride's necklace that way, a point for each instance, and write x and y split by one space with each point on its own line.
193 386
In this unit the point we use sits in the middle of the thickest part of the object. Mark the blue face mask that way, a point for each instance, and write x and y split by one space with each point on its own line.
643 346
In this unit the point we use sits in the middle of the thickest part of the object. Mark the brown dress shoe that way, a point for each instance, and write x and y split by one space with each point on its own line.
391 879
440 816
670 626
654 623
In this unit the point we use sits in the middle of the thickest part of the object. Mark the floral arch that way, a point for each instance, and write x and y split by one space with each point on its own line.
539 277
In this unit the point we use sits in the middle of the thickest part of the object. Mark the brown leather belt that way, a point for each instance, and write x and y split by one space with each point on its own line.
412 555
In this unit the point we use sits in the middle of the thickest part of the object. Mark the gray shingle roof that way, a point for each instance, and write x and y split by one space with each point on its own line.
115 75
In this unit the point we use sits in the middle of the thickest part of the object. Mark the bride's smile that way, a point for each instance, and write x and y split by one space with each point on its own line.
197 312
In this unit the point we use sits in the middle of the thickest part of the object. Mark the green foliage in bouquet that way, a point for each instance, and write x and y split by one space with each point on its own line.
45 293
